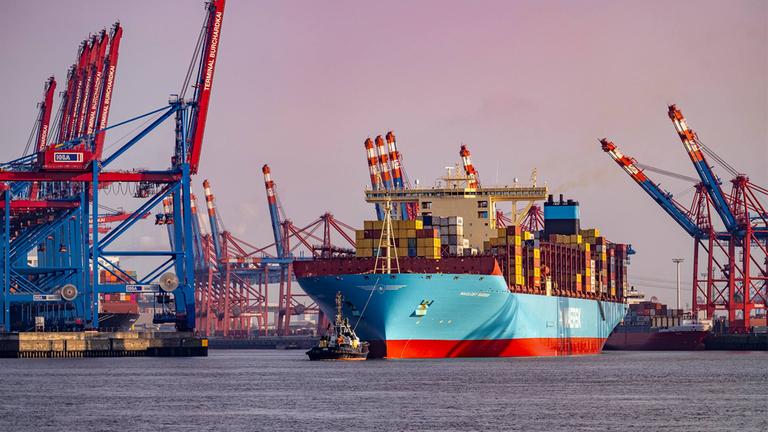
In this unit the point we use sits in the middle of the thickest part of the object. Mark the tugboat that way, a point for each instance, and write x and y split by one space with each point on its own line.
340 342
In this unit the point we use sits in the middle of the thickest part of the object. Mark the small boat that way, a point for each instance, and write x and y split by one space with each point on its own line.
340 341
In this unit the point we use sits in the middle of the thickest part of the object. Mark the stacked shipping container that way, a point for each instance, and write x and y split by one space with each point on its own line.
106 277
451 231
410 237
580 265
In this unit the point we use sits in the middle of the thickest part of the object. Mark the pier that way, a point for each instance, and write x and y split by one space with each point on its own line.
101 344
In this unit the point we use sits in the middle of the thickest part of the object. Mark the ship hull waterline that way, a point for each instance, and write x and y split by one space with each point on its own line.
414 315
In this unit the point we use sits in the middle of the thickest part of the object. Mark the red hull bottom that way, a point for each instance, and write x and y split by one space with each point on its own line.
485 348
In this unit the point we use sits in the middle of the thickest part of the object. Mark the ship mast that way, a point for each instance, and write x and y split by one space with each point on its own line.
386 241
339 317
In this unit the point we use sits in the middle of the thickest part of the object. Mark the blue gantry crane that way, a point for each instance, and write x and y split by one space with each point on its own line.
52 250
735 277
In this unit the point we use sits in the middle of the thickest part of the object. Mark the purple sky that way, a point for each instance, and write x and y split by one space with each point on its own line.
300 85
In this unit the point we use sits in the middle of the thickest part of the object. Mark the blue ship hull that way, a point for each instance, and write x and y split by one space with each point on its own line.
410 315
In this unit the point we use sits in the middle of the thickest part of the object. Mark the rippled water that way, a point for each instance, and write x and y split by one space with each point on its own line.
281 390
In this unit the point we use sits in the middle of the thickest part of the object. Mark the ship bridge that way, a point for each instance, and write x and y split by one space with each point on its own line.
453 196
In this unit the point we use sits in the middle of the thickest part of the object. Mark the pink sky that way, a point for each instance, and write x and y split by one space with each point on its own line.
300 85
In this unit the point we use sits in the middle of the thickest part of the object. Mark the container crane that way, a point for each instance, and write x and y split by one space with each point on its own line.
67 214
736 260
85 104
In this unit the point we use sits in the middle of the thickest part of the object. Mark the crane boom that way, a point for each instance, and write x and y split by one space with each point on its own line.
709 180
373 169
64 108
209 202
662 197
384 168
43 128
110 67
88 74
469 169
97 76
274 214
77 89
45 113
205 80
397 171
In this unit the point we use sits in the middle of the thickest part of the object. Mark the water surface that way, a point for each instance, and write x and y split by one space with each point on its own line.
281 390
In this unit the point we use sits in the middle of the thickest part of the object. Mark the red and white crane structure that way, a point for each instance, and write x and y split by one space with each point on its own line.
473 177
385 166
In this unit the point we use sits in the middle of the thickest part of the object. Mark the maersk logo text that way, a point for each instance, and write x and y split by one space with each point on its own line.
571 317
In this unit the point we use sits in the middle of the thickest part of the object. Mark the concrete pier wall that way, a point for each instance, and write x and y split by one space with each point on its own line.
101 344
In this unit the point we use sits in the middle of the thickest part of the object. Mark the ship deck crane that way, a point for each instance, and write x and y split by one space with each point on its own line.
373 169
406 209
469 169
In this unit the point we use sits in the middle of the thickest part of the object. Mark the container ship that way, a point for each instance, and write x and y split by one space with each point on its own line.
443 272
652 326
